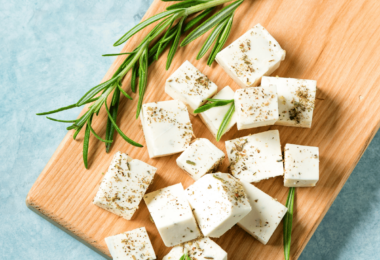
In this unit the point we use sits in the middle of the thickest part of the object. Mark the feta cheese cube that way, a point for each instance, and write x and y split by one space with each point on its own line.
219 202
200 157
190 86
301 165
175 254
172 215
296 99
265 216
213 117
131 245
256 106
124 185
201 249
256 157
255 54
167 127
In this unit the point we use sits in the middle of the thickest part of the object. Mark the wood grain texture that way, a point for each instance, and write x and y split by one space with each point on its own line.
333 42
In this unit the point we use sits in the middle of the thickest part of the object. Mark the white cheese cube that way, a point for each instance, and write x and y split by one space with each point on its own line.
175 254
219 202
201 249
256 106
190 86
296 99
255 54
213 117
172 215
301 165
200 157
265 216
256 157
131 245
124 185
167 127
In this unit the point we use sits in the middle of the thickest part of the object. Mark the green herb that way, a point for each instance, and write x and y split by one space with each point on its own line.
117 54
218 103
218 178
190 162
288 222
166 32
185 256
221 41
225 122
213 103
222 23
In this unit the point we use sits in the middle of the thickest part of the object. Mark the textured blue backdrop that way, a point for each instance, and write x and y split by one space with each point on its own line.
49 55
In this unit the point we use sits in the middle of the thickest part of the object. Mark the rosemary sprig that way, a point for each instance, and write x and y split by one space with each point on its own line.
225 122
213 103
288 222
185 256
171 25
227 118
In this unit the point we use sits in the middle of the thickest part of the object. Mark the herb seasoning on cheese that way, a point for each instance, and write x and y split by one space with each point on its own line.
219 202
200 249
256 157
131 245
265 216
167 127
190 86
296 100
255 54
200 157
301 166
256 106
124 185
172 215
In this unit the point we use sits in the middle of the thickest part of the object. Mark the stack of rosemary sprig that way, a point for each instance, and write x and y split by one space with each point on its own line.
172 24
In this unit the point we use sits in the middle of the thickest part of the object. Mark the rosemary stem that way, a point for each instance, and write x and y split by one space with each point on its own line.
201 7
134 60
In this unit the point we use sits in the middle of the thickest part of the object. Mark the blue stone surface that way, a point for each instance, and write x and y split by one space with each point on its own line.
50 54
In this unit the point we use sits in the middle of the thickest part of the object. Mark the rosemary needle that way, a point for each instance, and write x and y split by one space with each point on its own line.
288 222
225 122
227 118
212 103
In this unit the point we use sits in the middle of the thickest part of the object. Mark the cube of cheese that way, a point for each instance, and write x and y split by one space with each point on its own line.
172 215
256 157
167 127
265 216
219 202
301 165
131 245
190 86
255 54
124 185
200 157
213 117
256 106
201 249
296 98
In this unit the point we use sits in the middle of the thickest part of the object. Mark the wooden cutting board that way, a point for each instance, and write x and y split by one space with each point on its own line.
333 42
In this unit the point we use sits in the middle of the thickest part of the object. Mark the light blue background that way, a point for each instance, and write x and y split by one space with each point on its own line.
50 53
